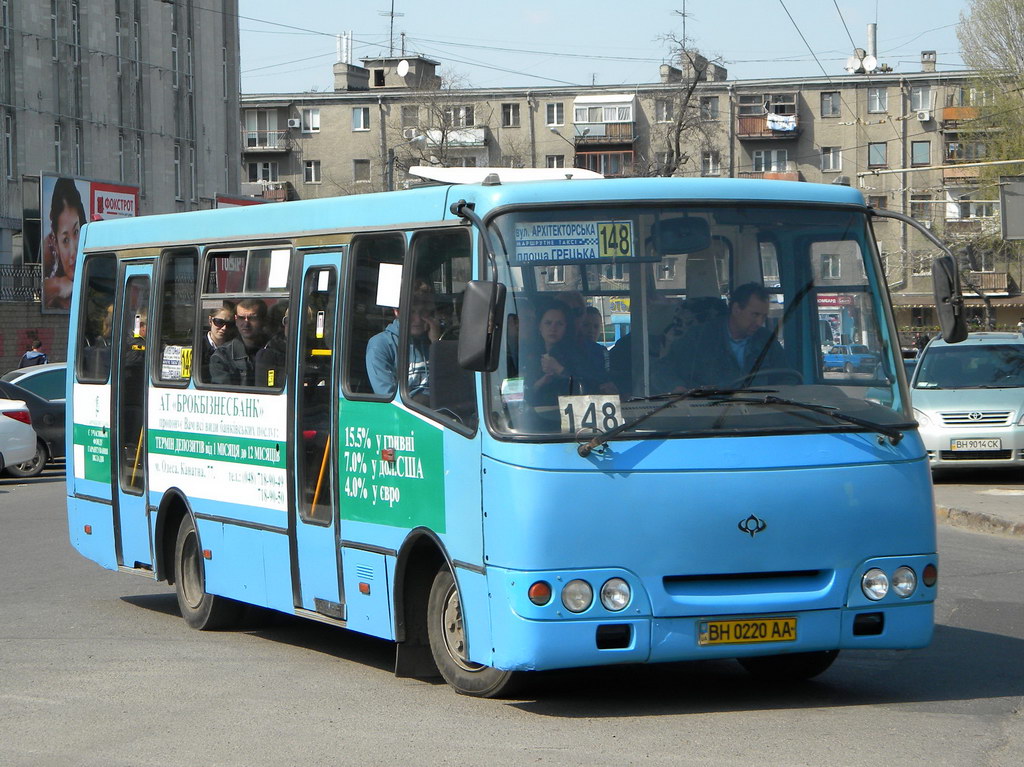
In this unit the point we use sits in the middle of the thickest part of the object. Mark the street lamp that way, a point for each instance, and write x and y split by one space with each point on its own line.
582 133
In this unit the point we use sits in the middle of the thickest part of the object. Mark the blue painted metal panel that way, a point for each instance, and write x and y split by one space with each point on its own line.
99 544
368 610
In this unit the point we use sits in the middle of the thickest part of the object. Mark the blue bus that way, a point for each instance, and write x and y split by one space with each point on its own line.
387 413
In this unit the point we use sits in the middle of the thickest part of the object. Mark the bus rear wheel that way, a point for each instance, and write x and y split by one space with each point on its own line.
447 635
792 667
200 610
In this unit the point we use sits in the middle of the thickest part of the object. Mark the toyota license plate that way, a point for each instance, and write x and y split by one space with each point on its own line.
746 631
976 444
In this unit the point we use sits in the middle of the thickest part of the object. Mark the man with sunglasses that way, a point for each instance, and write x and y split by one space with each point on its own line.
233 362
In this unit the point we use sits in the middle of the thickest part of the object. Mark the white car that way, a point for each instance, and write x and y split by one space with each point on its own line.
17 437
968 399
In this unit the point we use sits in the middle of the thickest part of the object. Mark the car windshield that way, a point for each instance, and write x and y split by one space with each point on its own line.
611 308
972 366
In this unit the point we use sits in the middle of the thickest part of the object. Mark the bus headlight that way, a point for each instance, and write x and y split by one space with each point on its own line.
577 596
615 594
874 584
904 581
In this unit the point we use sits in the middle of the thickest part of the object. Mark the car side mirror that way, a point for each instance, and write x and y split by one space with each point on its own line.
949 304
483 308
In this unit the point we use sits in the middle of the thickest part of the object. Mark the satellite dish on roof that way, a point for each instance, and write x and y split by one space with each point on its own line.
852 64
870 63
403 68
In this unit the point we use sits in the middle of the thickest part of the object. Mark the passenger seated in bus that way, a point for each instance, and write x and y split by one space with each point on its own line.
270 360
221 330
382 349
554 363
593 355
667 320
233 362
724 351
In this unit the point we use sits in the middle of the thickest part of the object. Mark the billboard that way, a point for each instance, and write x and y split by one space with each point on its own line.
65 205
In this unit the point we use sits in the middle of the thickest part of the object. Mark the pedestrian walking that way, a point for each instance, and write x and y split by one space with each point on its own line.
34 356
1020 326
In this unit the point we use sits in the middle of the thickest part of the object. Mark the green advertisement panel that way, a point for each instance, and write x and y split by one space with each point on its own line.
92 452
391 466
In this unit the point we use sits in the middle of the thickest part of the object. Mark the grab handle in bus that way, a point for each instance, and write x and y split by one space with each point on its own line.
138 454
320 477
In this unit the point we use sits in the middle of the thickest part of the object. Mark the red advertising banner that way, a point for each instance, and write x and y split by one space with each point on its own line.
65 205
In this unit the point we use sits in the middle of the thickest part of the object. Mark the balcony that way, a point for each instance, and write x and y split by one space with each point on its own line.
767 127
956 173
953 115
457 138
265 141
605 133
782 172
993 283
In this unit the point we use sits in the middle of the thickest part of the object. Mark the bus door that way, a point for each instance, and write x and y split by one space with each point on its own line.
131 516
314 525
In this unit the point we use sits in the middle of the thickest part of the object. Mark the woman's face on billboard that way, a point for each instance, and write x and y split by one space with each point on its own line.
68 229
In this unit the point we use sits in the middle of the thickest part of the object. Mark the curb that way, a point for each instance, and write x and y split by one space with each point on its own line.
978 521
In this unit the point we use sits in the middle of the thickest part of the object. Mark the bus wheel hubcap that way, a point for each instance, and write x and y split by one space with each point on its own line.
453 632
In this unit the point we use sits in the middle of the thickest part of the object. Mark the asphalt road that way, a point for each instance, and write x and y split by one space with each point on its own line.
96 668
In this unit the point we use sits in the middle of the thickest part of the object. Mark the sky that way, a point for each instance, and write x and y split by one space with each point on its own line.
290 47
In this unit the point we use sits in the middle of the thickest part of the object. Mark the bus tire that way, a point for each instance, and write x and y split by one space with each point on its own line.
448 645
791 667
200 610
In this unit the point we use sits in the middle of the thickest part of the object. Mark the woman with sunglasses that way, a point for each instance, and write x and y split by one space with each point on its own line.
222 330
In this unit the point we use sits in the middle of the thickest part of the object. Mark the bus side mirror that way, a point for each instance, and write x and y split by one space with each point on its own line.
949 304
483 308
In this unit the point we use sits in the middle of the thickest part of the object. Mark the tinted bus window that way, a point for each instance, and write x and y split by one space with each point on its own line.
97 312
177 317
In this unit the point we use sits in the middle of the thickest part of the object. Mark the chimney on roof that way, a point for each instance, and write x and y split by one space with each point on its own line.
927 61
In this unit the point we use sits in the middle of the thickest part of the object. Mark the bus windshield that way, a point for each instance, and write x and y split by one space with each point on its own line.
751 318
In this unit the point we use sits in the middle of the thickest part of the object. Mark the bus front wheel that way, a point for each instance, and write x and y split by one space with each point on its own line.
792 667
447 636
200 610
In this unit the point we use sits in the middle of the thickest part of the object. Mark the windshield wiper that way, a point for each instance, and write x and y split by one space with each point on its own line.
670 398
894 433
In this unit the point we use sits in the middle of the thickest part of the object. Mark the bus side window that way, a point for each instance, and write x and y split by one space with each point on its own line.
373 299
177 316
96 327
442 263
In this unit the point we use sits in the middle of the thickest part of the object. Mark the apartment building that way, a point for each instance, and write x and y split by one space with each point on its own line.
135 92
896 136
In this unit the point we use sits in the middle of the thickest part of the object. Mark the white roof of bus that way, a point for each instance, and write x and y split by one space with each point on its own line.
477 175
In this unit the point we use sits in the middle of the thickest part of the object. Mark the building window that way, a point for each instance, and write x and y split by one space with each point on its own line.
224 72
77 149
410 116
136 49
5 23
177 171
771 160
8 146
878 100
606 163
555 113
120 156
460 117
360 118
879 201
876 155
361 170
53 30
831 159
174 59
957 151
262 171
663 110
556 273
554 161
118 45
76 34
830 266
509 115
920 98
710 163
709 107
193 177
311 121
261 128
920 207
139 167
920 153
621 113
188 63
57 147
311 171
768 103
830 104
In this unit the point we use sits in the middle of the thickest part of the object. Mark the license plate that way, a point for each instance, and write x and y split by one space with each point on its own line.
976 444
747 631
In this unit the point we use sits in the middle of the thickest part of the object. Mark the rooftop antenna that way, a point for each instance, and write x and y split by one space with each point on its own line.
392 14
864 62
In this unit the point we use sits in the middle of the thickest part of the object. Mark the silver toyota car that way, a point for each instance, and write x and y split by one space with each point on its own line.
969 401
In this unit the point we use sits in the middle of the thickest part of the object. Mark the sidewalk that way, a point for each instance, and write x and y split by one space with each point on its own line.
986 507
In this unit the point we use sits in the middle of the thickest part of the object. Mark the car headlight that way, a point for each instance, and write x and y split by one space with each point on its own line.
615 594
875 584
904 581
577 596
922 419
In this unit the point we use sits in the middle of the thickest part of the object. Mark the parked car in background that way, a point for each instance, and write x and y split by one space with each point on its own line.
48 381
17 438
969 401
48 423
851 358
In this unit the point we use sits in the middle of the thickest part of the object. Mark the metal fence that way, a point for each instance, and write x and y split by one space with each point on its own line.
20 283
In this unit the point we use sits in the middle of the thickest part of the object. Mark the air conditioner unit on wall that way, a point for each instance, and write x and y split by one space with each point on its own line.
410 133
295 123
924 115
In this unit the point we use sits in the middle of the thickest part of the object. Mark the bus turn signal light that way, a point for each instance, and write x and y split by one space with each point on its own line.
540 593
930 575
